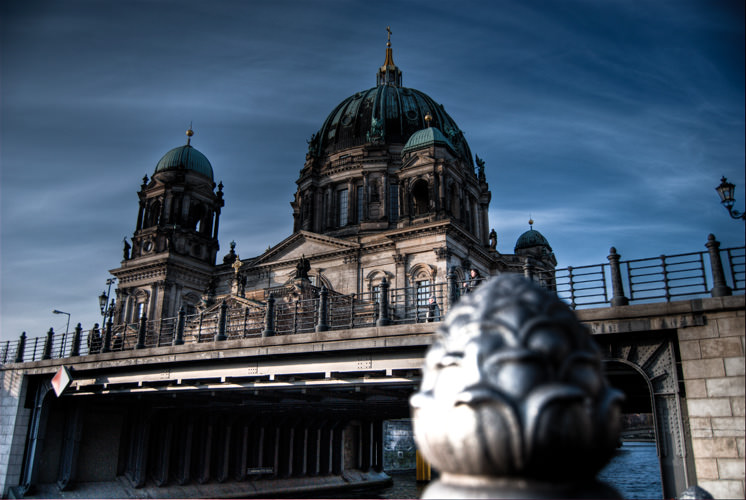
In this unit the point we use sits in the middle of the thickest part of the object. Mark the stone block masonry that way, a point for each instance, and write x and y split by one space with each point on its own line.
713 366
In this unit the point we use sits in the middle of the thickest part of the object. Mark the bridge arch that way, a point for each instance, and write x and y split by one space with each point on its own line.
647 367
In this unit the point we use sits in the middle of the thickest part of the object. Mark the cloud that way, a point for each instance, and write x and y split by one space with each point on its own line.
609 123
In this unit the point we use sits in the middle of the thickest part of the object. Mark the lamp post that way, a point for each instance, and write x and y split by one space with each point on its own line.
103 300
726 191
67 328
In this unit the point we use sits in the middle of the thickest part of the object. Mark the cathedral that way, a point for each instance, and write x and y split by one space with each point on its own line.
389 191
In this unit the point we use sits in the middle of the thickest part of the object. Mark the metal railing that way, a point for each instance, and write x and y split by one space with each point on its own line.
714 272
664 278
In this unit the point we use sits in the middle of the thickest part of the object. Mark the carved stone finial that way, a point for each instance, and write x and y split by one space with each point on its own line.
513 399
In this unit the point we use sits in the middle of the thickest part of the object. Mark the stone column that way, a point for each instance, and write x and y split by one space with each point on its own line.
385 196
618 298
47 354
403 199
338 450
75 350
179 337
140 215
141 332
720 288
366 198
222 321
216 224
350 202
269 317
441 192
322 324
484 216
186 203
401 269
167 202
383 317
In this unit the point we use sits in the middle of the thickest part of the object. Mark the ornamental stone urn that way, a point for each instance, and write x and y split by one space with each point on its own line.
513 401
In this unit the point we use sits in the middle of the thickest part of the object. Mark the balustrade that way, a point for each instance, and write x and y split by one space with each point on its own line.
667 277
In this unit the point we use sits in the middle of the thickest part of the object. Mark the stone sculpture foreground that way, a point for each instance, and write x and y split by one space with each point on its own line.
513 401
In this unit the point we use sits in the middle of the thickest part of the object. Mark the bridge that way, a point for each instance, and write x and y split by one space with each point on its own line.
228 404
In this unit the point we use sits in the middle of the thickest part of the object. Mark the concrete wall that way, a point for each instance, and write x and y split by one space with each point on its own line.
713 365
14 421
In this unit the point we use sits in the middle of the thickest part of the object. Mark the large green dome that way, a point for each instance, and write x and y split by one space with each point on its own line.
185 158
388 114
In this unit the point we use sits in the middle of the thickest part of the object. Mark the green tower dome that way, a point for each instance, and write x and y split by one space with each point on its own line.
185 158
531 239
427 137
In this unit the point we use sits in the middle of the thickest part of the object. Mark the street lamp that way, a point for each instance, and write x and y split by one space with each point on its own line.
726 191
67 328
103 299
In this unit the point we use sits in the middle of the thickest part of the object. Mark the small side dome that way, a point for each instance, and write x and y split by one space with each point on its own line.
185 158
531 239
427 137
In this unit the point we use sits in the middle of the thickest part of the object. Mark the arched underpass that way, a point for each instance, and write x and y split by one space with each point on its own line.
203 442
646 366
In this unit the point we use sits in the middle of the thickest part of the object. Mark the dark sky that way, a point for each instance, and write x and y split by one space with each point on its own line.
610 123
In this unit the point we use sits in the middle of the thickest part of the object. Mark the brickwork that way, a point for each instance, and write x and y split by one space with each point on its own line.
14 419
713 366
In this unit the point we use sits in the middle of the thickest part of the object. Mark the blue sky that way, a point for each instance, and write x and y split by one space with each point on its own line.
610 122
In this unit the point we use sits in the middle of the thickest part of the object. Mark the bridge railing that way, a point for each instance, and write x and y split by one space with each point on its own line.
714 272
668 277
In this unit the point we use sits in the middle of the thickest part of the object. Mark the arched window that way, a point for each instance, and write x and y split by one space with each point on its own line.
140 305
373 280
154 213
421 197
196 212
394 202
342 207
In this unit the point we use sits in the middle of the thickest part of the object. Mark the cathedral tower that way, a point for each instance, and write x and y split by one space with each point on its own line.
175 242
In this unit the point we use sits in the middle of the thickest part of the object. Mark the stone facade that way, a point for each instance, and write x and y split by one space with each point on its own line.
710 339
713 365
389 189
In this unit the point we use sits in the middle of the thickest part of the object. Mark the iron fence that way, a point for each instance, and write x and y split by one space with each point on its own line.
667 277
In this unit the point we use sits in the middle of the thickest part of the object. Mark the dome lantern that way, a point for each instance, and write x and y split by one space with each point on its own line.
389 73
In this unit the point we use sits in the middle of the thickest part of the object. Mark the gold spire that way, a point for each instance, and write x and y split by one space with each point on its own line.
189 134
428 119
530 222
389 74
389 51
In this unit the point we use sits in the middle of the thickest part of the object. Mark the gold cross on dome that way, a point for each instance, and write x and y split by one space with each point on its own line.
388 41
